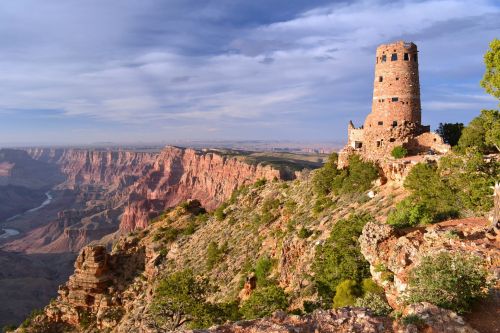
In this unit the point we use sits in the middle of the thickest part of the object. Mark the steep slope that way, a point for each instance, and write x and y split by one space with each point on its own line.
113 291
138 260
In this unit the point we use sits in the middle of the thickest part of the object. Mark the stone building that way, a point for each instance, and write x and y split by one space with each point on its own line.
395 119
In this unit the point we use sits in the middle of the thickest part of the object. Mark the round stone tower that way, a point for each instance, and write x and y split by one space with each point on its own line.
396 90
396 114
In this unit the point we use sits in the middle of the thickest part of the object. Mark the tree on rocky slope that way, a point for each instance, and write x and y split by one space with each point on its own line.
180 299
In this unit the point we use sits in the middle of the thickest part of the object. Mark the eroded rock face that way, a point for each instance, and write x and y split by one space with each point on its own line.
116 169
181 174
392 254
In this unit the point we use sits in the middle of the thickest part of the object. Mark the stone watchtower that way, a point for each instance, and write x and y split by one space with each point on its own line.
395 119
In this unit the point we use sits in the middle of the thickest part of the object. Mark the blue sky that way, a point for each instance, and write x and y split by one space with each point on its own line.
84 71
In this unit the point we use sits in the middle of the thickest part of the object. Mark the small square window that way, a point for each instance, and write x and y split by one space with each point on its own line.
394 124
394 57
378 143
406 57
397 79
384 58
395 99
392 140
380 78
380 123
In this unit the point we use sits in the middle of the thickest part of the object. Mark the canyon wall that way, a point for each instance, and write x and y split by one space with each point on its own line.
182 174
116 169
123 190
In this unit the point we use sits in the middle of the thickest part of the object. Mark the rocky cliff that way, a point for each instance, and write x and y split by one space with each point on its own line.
181 174
115 169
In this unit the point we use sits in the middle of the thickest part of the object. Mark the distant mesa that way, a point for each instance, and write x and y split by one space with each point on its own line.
396 117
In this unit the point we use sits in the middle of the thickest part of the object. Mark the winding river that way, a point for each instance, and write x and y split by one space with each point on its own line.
13 232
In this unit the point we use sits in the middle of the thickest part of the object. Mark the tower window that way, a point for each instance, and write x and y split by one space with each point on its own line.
380 78
380 123
397 79
406 57
415 57
395 99
358 144
392 140
378 143
394 57
384 58
394 123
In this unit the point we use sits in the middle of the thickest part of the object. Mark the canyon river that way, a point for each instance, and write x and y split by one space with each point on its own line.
6 233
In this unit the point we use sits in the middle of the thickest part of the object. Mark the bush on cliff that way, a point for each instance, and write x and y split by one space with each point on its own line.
264 301
215 254
449 280
180 299
356 178
339 258
399 152
346 293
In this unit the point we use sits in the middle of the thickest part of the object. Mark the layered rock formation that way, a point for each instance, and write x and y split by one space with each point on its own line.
393 253
181 174
116 169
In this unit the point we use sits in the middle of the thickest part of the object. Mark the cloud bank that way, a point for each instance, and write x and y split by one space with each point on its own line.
127 70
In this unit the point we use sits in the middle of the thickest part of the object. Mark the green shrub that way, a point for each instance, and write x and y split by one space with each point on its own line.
166 234
179 299
375 302
399 152
449 280
270 204
215 254
409 214
304 233
339 258
356 178
360 176
259 183
264 301
219 213
262 270
346 293
370 286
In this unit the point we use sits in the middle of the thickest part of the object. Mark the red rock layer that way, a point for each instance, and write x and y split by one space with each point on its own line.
181 174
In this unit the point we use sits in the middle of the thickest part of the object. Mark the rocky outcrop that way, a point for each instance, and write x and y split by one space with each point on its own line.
181 174
393 253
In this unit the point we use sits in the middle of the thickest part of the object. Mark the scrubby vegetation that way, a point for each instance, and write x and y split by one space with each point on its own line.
179 299
459 184
264 301
339 257
449 280
399 152
356 178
